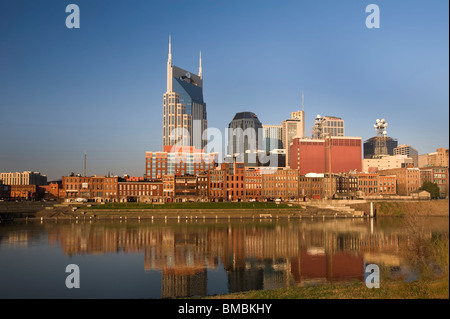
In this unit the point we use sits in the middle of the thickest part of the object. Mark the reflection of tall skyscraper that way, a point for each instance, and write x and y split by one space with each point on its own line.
183 284
241 279
184 118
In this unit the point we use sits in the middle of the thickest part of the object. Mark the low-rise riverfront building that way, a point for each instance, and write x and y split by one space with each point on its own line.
140 191
375 184
437 175
407 178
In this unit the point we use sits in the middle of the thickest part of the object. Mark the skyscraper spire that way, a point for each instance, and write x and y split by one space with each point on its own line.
170 51
169 67
200 66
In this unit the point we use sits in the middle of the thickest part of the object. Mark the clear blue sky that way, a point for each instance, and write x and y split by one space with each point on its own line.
99 88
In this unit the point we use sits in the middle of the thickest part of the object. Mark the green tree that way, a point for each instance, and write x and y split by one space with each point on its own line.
432 188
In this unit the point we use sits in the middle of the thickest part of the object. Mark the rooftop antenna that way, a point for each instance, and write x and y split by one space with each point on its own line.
85 163
200 66
380 142
303 102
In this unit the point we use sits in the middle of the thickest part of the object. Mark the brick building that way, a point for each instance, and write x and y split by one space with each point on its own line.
168 187
375 184
203 187
216 182
140 191
253 184
26 192
313 156
343 185
234 181
438 175
310 187
185 188
387 185
96 187
346 185
279 183
407 178
52 190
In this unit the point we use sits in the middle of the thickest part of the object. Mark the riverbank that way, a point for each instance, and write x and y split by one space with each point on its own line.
401 208
422 289
194 206
24 207
271 212
223 210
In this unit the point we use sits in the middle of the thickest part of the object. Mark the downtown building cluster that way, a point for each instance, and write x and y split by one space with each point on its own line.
262 162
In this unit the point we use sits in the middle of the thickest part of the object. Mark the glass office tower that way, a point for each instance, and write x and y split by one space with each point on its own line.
185 117
244 134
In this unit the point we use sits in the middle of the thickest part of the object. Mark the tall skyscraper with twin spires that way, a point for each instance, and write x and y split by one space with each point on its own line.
184 119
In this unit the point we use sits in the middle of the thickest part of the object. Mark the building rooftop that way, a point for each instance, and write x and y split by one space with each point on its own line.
245 115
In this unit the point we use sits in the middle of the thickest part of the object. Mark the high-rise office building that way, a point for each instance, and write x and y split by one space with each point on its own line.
328 125
438 158
185 118
25 178
370 144
244 135
293 127
272 136
408 151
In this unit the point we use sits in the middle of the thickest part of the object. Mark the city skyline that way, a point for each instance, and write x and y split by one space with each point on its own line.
99 88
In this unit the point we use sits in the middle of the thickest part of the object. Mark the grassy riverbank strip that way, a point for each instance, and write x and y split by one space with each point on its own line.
175 211
421 289
398 208
194 206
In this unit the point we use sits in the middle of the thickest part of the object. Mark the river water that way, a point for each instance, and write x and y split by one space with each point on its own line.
145 259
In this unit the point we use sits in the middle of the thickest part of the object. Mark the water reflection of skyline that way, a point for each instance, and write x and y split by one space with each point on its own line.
254 255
